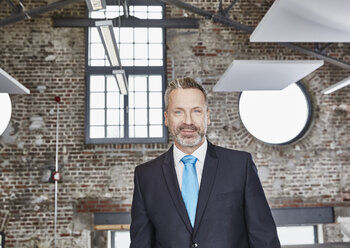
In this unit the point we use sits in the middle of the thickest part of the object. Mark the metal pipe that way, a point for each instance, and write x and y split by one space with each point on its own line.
35 12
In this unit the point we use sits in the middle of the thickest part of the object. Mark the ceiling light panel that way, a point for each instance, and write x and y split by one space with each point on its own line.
264 74
305 21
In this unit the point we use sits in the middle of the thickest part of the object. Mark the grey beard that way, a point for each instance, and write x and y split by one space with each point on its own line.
185 143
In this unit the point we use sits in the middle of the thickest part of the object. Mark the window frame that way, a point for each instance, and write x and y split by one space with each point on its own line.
134 71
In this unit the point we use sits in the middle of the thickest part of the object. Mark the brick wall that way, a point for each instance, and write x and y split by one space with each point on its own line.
50 61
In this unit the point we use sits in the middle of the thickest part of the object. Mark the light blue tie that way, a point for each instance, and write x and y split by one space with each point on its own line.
189 189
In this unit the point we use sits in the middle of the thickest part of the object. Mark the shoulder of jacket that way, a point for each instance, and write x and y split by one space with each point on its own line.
221 149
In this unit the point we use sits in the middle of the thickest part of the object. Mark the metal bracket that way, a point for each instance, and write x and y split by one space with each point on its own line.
319 48
223 11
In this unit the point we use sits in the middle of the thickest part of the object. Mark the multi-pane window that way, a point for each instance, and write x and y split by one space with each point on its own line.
138 116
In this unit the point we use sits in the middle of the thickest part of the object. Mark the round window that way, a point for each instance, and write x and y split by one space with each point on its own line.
276 117
5 111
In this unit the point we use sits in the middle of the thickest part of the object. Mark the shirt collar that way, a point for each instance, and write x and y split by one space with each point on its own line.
199 153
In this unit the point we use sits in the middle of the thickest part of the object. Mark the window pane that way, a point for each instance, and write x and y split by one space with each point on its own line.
121 131
112 84
155 8
131 100
97 14
131 117
127 62
131 83
140 8
141 51
113 117
141 15
113 132
140 83
97 83
97 132
155 116
121 239
141 131
96 62
155 62
122 117
155 100
155 35
155 51
131 131
141 62
126 35
97 51
141 100
141 35
97 100
155 83
113 100
296 235
156 131
155 15
141 116
94 36
126 51
97 117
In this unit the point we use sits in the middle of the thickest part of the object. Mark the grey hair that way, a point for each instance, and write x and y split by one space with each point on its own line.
183 83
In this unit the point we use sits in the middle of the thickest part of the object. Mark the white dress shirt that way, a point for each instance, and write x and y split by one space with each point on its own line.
199 154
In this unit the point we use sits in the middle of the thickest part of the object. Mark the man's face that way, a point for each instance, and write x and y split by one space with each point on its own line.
187 117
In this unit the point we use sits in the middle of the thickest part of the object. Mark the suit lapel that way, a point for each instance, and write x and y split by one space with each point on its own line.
207 182
174 189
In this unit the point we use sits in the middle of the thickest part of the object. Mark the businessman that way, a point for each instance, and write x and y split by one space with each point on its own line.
198 195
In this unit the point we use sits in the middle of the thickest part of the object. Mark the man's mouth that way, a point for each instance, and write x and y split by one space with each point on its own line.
188 130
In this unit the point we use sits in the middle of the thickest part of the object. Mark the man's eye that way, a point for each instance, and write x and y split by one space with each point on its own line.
197 111
178 112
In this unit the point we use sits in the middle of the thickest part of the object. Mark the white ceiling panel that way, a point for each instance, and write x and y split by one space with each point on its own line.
10 85
305 21
264 74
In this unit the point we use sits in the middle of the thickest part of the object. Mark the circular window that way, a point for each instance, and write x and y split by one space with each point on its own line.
276 117
5 111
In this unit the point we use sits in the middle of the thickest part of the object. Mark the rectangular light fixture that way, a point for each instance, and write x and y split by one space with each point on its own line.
345 82
121 81
105 29
93 5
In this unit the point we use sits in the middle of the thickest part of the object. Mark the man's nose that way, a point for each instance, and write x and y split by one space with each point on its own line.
188 119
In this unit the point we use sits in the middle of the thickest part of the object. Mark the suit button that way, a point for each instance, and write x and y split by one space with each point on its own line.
195 245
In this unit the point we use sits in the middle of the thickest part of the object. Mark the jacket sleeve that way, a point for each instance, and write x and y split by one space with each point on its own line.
141 229
260 224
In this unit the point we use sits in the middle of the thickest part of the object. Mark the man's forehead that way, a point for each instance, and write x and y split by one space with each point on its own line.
187 98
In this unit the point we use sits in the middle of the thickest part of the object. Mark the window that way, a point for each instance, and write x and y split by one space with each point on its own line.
276 117
138 116
300 235
119 239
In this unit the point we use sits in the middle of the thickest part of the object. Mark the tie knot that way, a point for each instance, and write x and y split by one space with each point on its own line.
189 159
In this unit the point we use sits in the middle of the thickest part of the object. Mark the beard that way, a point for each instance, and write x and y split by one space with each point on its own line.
192 140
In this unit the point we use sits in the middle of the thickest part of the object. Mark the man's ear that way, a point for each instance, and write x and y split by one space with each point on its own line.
166 118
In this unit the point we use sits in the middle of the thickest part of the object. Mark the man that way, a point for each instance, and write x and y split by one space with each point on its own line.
198 194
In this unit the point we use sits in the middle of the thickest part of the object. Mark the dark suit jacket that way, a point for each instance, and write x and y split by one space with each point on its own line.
232 210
